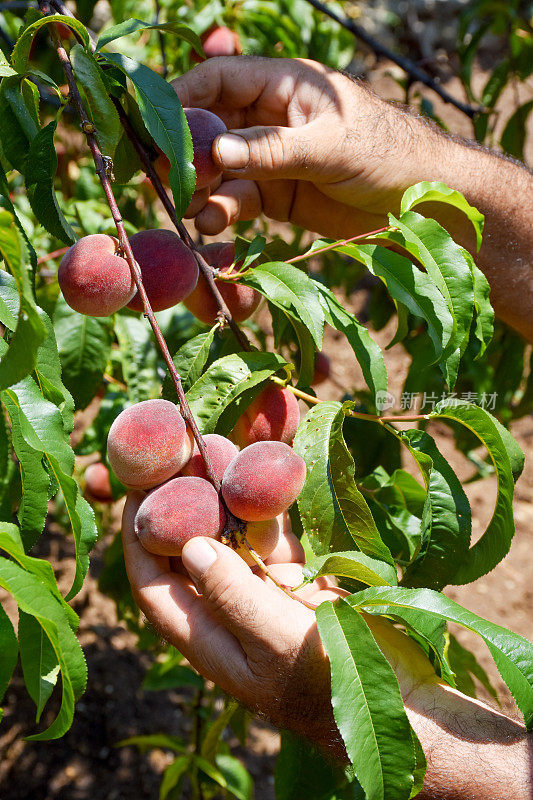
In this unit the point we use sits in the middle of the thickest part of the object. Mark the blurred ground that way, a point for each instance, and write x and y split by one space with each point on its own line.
87 765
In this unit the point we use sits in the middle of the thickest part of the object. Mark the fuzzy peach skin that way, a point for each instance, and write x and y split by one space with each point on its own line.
176 512
263 480
169 269
148 443
241 300
95 280
272 415
221 453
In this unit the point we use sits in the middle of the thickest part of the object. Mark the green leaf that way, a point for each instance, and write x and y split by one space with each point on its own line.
190 360
367 704
9 300
408 285
304 773
447 516
368 354
38 659
514 134
21 356
5 69
18 124
239 782
447 266
466 667
434 191
352 565
21 51
512 653
159 740
41 168
173 774
504 453
334 513
11 541
33 506
224 381
33 598
41 426
164 118
84 345
48 374
133 25
8 651
213 736
99 106
484 321
138 357
30 332
291 290
163 676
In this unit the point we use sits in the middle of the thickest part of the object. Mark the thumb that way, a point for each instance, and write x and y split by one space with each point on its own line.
254 611
264 153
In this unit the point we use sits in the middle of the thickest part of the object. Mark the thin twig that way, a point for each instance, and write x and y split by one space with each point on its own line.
52 255
103 169
264 569
312 253
205 269
405 63
61 8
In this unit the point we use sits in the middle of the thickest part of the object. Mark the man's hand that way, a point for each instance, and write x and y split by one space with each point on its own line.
240 631
311 146
307 145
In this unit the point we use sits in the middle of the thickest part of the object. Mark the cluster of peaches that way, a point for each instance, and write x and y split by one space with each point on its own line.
152 451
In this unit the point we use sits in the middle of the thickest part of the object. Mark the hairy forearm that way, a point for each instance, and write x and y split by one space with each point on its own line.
472 751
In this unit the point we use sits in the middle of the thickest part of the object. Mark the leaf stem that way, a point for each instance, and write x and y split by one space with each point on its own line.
337 244
264 569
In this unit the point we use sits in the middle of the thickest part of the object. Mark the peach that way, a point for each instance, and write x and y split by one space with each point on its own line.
97 483
263 537
263 480
220 451
241 300
322 369
205 127
148 443
176 512
169 269
219 41
95 280
273 415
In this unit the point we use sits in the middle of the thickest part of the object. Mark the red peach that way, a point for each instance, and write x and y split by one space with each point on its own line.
95 280
169 269
263 480
148 443
273 415
176 512
241 300
220 451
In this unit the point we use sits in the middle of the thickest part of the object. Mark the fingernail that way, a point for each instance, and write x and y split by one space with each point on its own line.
197 556
233 151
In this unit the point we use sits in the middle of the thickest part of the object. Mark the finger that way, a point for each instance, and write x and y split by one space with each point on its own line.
173 606
198 201
288 548
276 151
259 615
233 200
238 83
